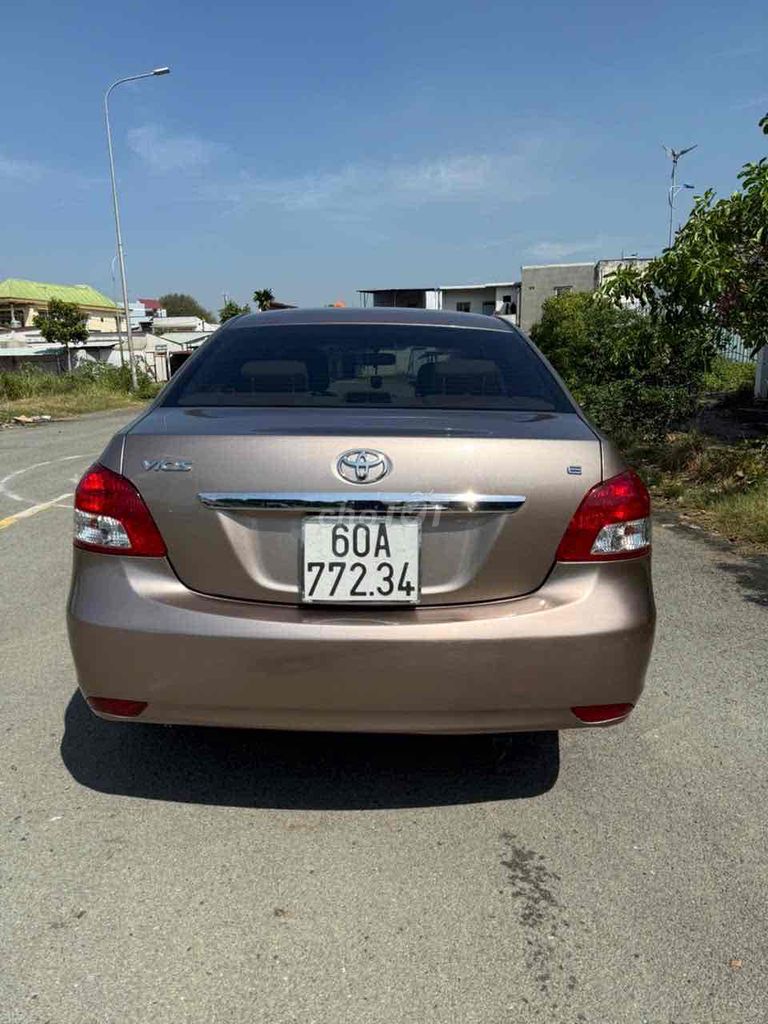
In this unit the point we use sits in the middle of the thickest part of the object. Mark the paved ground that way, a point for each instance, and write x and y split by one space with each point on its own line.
180 875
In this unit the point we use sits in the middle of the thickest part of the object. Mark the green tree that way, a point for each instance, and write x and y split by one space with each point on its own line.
715 276
63 323
634 375
264 298
181 304
230 309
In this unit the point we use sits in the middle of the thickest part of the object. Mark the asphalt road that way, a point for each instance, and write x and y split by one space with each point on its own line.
192 875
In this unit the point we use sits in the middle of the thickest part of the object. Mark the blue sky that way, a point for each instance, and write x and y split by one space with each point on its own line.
316 148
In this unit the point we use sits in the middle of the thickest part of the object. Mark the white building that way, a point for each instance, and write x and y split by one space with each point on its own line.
498 297
402 298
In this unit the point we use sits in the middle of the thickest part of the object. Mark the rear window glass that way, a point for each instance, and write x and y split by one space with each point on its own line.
368 365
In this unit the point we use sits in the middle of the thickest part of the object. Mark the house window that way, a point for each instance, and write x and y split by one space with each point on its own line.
563 289
463 307
489 308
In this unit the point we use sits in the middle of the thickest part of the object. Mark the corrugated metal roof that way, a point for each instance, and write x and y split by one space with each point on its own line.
38 291
473 287
184 337
32 349
17 352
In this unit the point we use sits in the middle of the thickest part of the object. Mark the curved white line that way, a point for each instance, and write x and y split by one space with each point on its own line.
28 469
10 520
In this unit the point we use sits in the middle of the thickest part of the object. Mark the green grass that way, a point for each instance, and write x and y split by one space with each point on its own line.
91 388
64 406
725 375
722 486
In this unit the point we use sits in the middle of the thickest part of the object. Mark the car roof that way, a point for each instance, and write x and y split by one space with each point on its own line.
377 315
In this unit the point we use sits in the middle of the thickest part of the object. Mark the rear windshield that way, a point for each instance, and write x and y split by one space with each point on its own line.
355 365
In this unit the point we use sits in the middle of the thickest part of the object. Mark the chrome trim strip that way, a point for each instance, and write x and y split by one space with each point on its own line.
372 501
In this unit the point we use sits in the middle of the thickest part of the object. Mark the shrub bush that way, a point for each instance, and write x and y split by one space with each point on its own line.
725 375
634 377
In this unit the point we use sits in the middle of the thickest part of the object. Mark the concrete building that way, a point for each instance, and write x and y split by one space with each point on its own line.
168 324
539 283
143 313
23 349
21 301
495 297
520 302
403 298
501 297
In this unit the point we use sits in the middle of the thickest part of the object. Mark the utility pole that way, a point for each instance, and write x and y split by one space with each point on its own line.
674 155
116 211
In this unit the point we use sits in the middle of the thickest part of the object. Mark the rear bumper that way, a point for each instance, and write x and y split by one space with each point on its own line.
583 638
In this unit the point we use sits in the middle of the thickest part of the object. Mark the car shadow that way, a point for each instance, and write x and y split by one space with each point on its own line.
751 573
307 771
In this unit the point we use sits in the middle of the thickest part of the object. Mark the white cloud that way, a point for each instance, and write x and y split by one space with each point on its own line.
12 169
506 177
754 101
163 152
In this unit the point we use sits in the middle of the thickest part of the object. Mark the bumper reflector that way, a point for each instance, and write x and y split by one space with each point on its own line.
599 714
116 706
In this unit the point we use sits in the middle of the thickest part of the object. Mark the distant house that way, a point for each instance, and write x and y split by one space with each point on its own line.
21 349
498 297
21 301
501 298
143 313
403 298
519 302
168 324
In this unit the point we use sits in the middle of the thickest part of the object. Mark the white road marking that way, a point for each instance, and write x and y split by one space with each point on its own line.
5 490
33 510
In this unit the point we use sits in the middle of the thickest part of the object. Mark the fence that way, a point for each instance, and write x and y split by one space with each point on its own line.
735 350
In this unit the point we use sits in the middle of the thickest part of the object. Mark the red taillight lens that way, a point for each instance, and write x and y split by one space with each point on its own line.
111 517
601 714
613 521
117 706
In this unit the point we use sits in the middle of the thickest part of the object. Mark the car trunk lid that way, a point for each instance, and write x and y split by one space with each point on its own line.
176 457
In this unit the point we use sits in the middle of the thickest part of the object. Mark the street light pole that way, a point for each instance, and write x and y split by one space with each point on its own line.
674 155
114 299
673 190
116 208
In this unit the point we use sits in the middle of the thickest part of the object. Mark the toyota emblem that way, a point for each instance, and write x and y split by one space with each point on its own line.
362 466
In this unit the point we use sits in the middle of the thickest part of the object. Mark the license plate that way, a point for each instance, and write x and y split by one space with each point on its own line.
354 559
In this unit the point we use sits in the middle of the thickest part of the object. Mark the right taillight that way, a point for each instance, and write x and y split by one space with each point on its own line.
613 521
112 518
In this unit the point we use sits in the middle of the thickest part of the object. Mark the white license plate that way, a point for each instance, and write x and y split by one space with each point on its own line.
353 559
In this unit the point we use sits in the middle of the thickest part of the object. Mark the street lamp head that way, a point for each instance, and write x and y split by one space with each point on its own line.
689 186
161 71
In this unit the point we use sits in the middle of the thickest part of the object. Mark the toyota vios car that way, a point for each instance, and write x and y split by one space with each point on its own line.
386 520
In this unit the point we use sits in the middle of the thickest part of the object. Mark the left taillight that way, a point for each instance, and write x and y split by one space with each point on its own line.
111 516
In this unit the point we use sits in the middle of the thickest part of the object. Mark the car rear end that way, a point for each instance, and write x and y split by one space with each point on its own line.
391 521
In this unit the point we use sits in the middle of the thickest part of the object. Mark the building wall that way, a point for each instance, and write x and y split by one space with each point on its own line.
102 323
411 298
541 283
513 290
98 322
478 297
607 268
474 296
